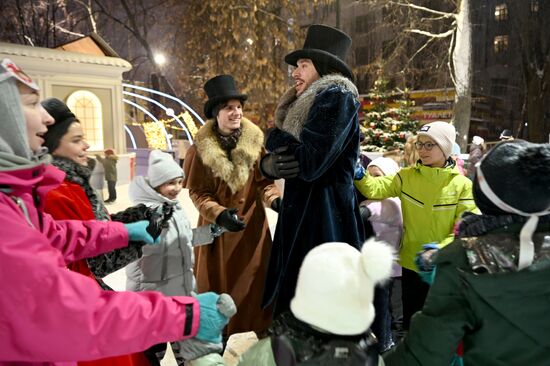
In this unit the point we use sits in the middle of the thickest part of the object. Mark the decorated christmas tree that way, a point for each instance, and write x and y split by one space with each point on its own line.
388 121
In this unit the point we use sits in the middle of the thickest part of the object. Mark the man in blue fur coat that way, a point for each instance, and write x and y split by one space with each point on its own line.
315 147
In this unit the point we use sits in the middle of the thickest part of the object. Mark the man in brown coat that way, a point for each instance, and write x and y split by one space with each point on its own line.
226 186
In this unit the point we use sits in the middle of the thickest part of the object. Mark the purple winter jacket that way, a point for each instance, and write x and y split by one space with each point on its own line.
50 315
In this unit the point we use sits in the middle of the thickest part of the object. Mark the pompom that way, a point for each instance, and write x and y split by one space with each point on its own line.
377 258
534 162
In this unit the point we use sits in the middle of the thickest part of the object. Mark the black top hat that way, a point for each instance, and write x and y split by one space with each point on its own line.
324 45
219 89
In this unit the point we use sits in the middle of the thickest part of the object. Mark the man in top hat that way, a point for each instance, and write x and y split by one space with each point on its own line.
226 186
318 128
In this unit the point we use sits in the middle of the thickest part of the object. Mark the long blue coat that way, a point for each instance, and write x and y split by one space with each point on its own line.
321 126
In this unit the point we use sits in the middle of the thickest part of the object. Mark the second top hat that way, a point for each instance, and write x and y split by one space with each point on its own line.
219 89
324 45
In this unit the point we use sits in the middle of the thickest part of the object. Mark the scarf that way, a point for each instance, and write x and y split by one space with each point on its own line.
80 175
228 142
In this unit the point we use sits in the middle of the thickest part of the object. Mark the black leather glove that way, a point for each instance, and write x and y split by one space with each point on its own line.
365 213
280 164
229 220
276 204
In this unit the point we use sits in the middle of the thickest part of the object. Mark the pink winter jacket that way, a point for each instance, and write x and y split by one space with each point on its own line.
387 222
50 315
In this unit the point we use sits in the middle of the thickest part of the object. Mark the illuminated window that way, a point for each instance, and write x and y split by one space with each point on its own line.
87 108
500 44
501 12
534 6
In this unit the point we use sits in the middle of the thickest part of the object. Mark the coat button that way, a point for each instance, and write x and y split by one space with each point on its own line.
241 201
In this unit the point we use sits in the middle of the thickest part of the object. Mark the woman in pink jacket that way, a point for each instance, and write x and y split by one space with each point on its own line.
49 315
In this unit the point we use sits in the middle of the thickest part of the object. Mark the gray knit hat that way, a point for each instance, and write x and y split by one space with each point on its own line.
162 168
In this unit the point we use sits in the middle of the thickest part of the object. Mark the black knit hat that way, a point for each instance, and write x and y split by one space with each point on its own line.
518 172
63 119
327 48
220 89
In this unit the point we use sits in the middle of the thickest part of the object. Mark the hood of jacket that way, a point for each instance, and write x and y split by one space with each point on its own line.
139 191
235 171
292 112
519 297
13 127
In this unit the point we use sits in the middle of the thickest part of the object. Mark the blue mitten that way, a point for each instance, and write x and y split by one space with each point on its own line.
215 313
137 231
359 172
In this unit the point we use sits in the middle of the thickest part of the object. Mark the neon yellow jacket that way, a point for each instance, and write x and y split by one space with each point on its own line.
432 200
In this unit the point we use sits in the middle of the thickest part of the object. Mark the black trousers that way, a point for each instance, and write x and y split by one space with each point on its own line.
111 187
414 294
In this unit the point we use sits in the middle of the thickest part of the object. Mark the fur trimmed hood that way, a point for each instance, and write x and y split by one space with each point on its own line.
291 113
234 172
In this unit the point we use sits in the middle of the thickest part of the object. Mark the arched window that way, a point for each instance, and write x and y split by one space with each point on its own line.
87 108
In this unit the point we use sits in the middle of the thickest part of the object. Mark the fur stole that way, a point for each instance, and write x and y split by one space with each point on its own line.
234 171
291 113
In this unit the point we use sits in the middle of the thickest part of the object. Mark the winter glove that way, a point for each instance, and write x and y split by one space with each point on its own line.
137 231
158 219
280 164
365 213
215 313
276 204
229 220
359 172
424 261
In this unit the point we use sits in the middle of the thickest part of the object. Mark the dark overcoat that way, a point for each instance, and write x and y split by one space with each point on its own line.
321 127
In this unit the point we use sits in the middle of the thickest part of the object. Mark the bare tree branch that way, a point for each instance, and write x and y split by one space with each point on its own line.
422 8
430 34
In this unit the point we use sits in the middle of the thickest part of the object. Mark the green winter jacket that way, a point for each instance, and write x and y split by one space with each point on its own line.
502 318
109 166
432 200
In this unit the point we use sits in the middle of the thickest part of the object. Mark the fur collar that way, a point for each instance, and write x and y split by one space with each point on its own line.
234 172
291 113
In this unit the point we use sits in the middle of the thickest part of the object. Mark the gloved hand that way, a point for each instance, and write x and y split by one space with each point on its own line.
359 172
280 164
229 220
365 213
137 231
276 204
424 261
215 313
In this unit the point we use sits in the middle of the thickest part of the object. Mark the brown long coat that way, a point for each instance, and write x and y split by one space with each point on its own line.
236 263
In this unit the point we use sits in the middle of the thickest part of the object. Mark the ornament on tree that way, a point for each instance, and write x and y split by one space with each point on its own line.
388 120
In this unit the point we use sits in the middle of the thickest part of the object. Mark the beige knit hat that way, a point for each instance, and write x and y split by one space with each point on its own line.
443 133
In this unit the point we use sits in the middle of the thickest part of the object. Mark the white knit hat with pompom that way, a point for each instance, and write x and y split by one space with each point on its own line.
335 287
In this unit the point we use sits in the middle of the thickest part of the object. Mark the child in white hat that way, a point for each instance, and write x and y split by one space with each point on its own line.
433 196
331 311
168 266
